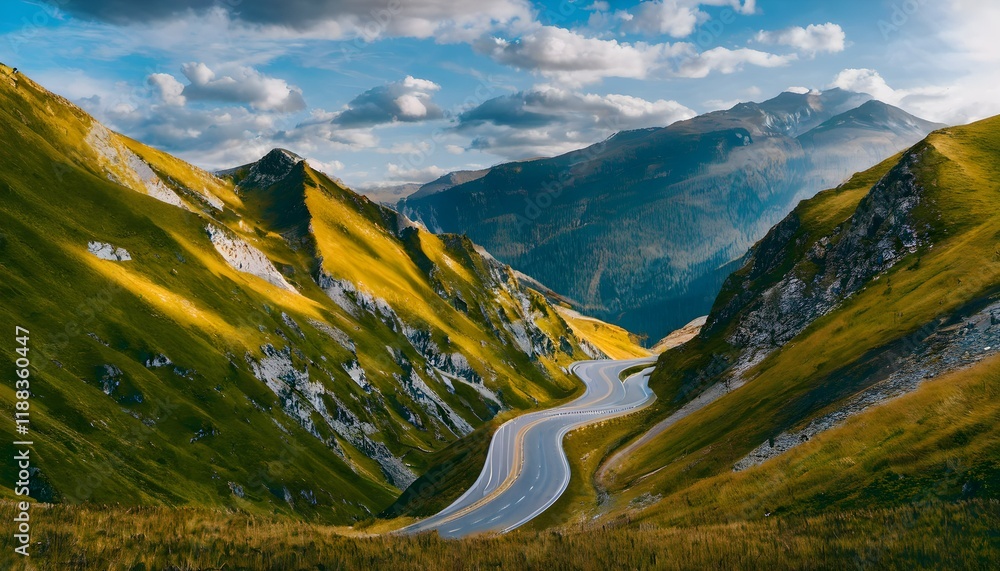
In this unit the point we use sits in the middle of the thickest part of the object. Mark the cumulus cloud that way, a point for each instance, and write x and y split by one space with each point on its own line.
406 101
552 120
213 138
329 19
167 88
813 39
724 60
327 167
239 84
957 103
319 133
866 81
573 59
676 18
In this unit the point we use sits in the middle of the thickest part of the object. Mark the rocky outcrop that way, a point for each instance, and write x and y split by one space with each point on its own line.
273 167
245 258
126 168
823 270
300 397
935 349
106 251
337 335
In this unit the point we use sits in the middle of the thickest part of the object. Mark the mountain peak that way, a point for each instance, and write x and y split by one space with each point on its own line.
281 154
875 114
271 168
276 164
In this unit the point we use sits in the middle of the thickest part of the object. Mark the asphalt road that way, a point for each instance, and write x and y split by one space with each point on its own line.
526 468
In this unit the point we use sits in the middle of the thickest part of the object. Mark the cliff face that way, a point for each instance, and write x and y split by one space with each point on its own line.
793 276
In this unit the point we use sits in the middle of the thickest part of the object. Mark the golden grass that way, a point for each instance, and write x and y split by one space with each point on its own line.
955 536
615 341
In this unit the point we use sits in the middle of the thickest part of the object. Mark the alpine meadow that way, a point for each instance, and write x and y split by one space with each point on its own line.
515 284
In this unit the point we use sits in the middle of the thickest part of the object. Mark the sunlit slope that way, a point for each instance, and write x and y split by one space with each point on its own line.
890 277
236 358
609 339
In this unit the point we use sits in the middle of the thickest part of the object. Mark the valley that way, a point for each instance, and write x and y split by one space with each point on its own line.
765 336
642 229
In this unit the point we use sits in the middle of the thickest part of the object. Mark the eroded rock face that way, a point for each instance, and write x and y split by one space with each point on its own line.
936 349
300 397
106 251
126 168
273 167
245 258
880 233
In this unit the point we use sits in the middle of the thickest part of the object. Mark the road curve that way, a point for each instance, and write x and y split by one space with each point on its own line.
526 469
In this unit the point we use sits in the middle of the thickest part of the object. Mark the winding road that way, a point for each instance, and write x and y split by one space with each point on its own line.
526 468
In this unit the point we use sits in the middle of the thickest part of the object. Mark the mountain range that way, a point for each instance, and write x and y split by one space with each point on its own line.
264 340
641 229
231 368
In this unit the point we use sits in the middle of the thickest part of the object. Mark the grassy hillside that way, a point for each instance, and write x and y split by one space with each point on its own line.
613 341
284 347
934 536
938 440
940 443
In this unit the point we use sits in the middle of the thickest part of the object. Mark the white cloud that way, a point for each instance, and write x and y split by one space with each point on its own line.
798 89
670 17
953 104
329 167
168 88
552 120
676 18
724 60
239 84
406 101
443 20
867 81
572 59
813 39
319 134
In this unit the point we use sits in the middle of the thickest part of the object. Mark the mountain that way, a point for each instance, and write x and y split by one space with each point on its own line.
849 363
448 181
265 340
390 195
642 228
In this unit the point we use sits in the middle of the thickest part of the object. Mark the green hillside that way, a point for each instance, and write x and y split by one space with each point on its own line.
275 343
859 294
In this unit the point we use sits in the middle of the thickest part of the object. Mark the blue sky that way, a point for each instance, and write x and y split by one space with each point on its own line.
381 92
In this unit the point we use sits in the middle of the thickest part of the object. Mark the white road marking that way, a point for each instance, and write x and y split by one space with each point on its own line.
589 406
